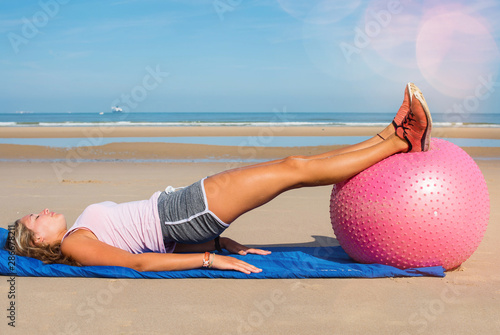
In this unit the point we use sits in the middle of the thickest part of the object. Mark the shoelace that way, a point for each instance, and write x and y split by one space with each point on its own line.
408 121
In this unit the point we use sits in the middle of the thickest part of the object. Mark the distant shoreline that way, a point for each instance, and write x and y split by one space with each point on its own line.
274 130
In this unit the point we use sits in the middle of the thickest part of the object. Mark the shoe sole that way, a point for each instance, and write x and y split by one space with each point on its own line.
410 93
426 140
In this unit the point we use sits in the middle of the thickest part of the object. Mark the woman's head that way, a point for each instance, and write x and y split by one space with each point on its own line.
47 227
39 236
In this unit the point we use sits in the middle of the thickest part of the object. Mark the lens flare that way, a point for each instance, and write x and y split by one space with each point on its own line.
453 49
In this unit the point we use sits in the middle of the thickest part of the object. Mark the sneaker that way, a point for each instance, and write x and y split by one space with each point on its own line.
405 107
420 96
416 125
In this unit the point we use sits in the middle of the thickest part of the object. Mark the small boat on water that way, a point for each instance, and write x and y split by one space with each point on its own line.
116 109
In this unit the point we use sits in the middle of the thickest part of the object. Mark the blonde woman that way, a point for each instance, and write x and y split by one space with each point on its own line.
179 230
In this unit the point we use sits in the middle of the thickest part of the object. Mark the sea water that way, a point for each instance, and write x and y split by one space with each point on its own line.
277 117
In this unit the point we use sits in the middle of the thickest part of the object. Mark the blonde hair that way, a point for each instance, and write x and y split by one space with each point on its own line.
23 245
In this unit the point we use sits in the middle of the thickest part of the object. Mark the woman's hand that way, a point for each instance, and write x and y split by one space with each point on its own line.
236 248
225 243
230 263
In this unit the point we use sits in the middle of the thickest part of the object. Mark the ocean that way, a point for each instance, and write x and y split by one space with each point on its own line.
281 117
277 118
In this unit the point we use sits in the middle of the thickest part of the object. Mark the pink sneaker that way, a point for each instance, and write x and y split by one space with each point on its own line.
417 124
405 107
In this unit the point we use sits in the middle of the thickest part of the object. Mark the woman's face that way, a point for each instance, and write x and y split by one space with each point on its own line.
47 226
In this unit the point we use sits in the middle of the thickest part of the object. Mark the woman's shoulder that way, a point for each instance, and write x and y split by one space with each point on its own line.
75 238
77 234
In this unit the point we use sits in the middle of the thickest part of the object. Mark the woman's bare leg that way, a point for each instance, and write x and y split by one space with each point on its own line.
234 192
237 191
384 134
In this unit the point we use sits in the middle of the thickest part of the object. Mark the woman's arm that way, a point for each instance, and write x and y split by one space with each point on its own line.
89 251
225 243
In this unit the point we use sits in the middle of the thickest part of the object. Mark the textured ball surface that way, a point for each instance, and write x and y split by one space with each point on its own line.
413 210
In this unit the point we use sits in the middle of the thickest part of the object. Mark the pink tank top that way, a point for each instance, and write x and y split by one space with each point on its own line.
131 226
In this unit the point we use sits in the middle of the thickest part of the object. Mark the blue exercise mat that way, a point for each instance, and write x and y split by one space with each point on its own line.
297 262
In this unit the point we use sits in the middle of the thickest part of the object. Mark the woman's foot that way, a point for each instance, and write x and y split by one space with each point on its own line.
417 124
400 115
405 106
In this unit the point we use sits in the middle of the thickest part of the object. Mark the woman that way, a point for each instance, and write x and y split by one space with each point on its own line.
177 230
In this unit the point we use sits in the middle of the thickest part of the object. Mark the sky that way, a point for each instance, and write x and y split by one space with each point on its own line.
248 56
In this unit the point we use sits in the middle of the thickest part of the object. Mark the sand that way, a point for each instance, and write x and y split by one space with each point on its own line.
466 301
91 147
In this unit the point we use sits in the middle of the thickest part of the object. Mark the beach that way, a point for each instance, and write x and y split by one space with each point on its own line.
91 147
465 301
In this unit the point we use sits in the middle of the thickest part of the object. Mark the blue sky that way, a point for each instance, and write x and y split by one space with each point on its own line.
245 56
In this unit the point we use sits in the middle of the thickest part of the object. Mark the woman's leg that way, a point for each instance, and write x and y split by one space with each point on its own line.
384 134
234 192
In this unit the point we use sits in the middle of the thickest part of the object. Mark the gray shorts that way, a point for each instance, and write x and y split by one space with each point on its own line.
185 216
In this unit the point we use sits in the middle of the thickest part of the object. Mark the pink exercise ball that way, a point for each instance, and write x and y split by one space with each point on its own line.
413 210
